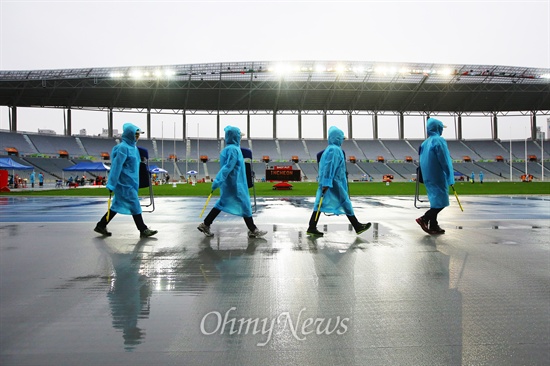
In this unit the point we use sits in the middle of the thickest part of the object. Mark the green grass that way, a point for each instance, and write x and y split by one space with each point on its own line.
309 189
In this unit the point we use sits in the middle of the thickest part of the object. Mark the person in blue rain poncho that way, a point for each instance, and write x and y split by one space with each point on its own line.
231 180
438 174
123 182
333 186
481 177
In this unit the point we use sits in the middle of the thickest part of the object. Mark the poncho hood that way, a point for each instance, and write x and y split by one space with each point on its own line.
434 127
129 133
232 135
335 136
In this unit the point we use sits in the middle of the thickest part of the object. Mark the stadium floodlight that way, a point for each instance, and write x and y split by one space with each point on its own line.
358 69
169 73
136 74
340 68
545 76
381 70
117 74
445 72
320 68
157 73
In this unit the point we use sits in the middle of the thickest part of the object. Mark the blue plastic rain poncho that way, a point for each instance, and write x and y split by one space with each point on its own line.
231 179
436 165
332 174
124 174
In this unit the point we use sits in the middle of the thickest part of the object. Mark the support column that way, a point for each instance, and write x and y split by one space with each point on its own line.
495 127
149 123
218 123
375 126
401 127
350 126
459 127
274 124
184 121
533 125
248 125
13 119
110 123
325 129
300 125
425 121
69 130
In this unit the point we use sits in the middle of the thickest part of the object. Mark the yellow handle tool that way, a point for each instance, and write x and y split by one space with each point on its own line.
319 208
457 200
109 207
206 204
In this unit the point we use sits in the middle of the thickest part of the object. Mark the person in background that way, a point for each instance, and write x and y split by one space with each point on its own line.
472 177
481 177
40 179
32 178
123 181
438 174
333 186
231 179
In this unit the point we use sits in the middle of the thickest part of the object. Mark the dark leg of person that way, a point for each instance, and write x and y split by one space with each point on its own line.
249 221
138 220
144 231
101 226
214 212
253 231
434 225
312 228
431 217
357 226
204 227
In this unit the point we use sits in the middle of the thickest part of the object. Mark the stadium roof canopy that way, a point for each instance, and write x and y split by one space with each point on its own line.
290 86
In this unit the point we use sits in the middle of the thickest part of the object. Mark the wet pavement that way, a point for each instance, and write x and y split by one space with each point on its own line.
477 295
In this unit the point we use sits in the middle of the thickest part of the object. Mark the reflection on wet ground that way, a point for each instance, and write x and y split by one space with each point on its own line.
479 294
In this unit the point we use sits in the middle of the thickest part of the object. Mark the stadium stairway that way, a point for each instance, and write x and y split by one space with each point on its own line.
477 156
387 150
31 144
81 145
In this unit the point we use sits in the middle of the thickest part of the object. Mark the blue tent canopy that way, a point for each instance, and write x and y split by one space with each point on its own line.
8 163
87 167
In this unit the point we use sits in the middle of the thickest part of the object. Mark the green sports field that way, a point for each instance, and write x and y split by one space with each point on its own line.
309 189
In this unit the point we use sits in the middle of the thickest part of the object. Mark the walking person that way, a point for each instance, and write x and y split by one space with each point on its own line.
481 177
231 179
333 186
123 181
40 179
473 177
438 174
32 178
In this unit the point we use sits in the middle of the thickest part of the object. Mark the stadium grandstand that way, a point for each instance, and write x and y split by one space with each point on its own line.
247 88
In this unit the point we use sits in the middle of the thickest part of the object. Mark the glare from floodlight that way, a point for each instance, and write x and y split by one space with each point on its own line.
340 68
320 68
157 73
381 70
445 72
358 69
136 74
117 74
545 76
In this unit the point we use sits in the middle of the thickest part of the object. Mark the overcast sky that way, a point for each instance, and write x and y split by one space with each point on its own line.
76 34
